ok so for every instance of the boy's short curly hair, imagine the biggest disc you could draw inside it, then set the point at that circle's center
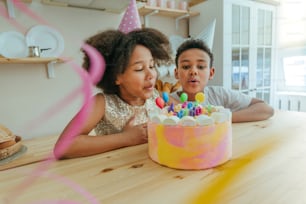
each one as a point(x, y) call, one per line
point(194, 43)
point(116, 47)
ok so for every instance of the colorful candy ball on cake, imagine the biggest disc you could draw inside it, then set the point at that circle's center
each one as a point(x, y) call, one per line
point(160, 102)
point(200, 97)
point(183, 97)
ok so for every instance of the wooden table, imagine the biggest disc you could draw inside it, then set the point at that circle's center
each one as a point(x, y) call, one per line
point(268, 166)
point(38, 149)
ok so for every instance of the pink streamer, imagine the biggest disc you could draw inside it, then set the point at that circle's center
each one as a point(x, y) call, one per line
point(22, 7)
point(72, 185)
point(4, 14)
point(57, 202)
point(97, 68)
point(96, 72)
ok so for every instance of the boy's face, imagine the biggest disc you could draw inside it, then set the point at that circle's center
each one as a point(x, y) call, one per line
point(193, 71)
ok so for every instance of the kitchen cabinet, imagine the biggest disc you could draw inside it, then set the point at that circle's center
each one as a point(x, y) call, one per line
point(48, 61)
point(244, 45)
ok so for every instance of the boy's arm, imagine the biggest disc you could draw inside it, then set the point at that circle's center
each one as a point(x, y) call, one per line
point(257, 110)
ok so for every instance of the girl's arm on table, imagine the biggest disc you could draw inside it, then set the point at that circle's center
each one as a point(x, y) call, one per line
point(85, 145)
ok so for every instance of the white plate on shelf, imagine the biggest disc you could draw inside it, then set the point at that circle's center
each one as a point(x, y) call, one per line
point(13, 45)
point(46, 37)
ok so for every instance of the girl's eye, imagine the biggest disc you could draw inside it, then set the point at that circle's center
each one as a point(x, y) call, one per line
point(139, 69)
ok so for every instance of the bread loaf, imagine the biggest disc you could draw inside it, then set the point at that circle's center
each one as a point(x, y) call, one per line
point(159, 85)
point(9, 143)
point(5, 134)
point(167, 87)
point(175, 87)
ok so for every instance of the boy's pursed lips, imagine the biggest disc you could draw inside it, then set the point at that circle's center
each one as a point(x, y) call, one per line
point(192, 80)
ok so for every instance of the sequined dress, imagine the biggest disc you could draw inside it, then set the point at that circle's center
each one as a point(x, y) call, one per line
point(118, 113)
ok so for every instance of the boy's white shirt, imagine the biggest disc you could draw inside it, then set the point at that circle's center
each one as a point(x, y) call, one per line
point(219, 96)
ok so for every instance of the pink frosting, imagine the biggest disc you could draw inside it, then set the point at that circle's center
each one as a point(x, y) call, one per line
point(198, 147)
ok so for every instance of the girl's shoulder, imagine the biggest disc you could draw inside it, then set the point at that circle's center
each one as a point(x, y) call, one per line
point(108, 99)
point(99, 100)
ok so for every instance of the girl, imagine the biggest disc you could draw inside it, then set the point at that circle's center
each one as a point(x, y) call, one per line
point(119, 113)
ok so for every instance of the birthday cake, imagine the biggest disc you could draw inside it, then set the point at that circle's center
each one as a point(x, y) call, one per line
point(189, 135)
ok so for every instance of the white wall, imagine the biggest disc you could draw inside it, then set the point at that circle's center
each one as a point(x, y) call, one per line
point(25, 90)
point(211, 10)
point(291, 21)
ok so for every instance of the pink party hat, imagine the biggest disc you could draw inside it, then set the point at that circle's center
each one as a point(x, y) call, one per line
point(130, 20)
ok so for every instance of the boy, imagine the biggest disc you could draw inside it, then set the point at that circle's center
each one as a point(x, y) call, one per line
point(194, 68)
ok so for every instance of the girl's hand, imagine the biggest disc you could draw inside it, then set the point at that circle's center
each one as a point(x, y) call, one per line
point(134, 134)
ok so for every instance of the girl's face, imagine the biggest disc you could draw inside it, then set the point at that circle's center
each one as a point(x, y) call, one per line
point(137, 83)
point(193, 71)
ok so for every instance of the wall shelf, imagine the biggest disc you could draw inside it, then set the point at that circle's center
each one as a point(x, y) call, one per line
point(29, 60)
point(145, 10)
point(195, 2)
point(190, 2)
point(49, 61)
point(178, 14)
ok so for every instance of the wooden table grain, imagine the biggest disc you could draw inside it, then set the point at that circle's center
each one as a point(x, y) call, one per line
point(268, 166)
point(38, 149)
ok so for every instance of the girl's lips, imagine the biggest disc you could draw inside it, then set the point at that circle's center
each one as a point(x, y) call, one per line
point(150, 87)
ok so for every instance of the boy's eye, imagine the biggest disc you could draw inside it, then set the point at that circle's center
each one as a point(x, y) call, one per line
point(202, 66)
point(198, 66)
point(185, 66)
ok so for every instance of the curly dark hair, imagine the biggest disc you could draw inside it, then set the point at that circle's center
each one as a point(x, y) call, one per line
point(117, 47)
point(194, 43)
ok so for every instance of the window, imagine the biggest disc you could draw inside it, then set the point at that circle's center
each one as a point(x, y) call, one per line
point(292, 73)
point(295, 71)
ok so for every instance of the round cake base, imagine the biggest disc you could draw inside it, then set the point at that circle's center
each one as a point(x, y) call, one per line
point(190, 148)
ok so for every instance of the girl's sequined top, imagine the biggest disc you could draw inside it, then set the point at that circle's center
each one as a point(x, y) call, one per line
point(118, 113)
